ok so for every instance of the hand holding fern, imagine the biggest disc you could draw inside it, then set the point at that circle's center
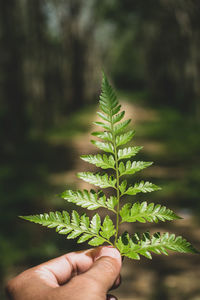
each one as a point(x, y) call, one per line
point(78, 275)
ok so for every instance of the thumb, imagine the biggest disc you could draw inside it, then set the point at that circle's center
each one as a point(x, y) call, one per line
point(105, 269)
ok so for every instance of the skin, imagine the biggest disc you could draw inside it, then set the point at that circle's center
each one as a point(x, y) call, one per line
point(85, 275)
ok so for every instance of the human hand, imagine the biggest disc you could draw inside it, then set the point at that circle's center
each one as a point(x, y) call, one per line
point(84, 275)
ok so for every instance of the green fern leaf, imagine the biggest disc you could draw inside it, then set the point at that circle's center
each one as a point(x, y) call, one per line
point(128, 152)
point(74, 234)
point(124, 138)
point(50, 220)
point(90, 200)
point(102, 161)
point(123, 245)
point(121, 126)
point(85, 237)
point(142, 212)
point(103, 181)
point(85, 223)
point(132, 167)
point(118, 117)
point(157, 243)
point(65, 217)
point(102, 116)
point(115, 110)
point(105, 126)
point(95, 224)
point(96, 241)
point(112, 203)
point(122, 187)
point(107, 229)
point(108, 100)
point(104, 135)
point(107, 147)
point(75, 220)
point(77, 226)
point(142, 187)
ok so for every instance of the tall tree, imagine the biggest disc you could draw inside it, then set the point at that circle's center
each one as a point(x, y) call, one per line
point(13, 95)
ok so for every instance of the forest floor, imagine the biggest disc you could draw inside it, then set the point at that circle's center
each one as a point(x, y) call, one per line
point(168, 278)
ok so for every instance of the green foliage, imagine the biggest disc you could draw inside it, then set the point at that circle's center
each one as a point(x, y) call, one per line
point(128, 152)
point(90, 200)
point(132, 167)
point(142, 212)
point(77, 226)
point(142, 187)
point(103, 181)
point(103, 161)
point(157, 243)
point(95, 231)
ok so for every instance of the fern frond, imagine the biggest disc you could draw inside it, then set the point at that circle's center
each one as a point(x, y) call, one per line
point(104, 135)
point(143, 212)
point(142, 187)
point(90, 200)
point(108, 100)
point(107, 147)
point(124, 138)
point(95, 223)
point(112, 203)
point(108, 228)
point(132, 167)
point(121, 126)
point(77, 226)
point(103, 116)
point(157, 243)
point(102, 161)
point(118, 117)
point(103, 181)
point(103, 125)
point(113, 136)
point(128, 152)
point(122, 187)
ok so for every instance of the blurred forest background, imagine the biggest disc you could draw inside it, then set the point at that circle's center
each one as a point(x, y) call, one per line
point(51, 56)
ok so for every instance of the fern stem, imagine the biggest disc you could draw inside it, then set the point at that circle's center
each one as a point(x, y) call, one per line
point(117, 183)
point(118, 206)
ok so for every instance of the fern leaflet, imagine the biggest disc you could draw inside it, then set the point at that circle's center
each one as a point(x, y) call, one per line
point(76, 226)
point(90, 200)
point(142, 212)
point(159, 244)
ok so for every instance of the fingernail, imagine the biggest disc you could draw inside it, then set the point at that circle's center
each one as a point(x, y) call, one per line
point(111, 297)
point(118, 281)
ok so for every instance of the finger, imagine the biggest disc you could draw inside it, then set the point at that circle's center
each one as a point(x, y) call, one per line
point(105, 269)
point(59, 270)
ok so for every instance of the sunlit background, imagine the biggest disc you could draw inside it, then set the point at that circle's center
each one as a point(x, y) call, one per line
point(52, 53)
